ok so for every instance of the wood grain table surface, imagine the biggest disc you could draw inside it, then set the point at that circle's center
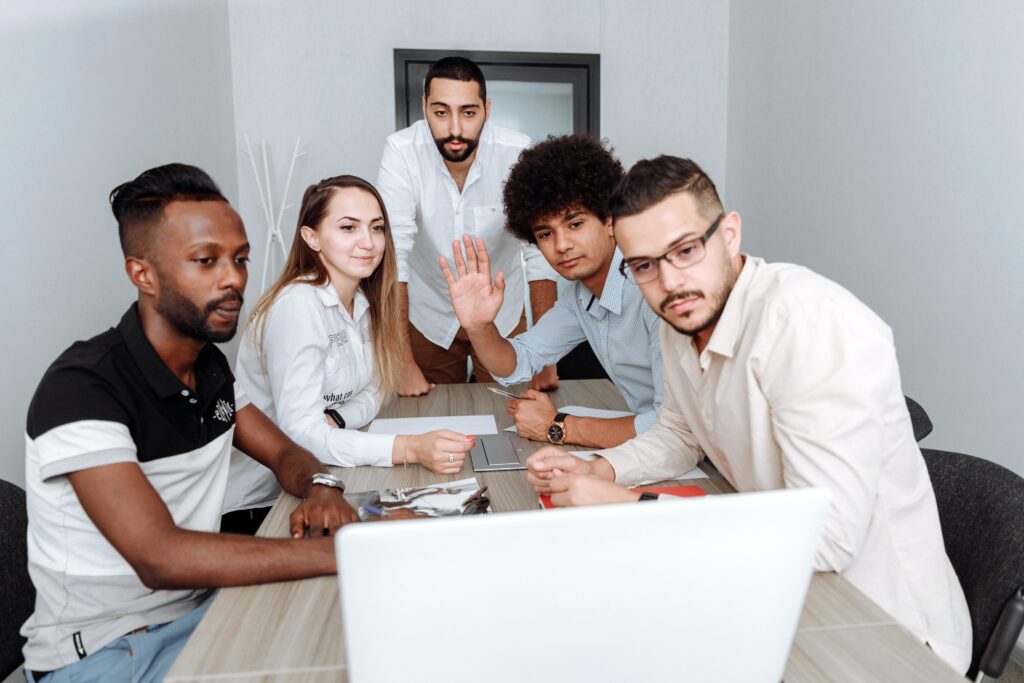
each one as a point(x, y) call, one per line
point(291, 632)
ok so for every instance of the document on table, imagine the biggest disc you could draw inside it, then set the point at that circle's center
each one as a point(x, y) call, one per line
point(475, 425)
point(583, 411)
point(695, 473)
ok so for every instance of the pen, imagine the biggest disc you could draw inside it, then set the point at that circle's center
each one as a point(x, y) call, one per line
point(469, 501)
point(507, 394)
point(374, 510)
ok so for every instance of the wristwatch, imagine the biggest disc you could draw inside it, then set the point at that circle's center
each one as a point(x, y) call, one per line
point(324, 479)
point(556, 432)
point(647, 495)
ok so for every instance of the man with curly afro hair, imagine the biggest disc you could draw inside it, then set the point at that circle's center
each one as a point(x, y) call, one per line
point(556, 197)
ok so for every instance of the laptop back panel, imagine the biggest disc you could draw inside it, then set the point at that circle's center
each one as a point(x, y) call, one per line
point(695, 589)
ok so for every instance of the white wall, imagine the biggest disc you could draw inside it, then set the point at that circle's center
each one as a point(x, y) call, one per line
point(882, 144)
point(92, 94)
point(326, 72)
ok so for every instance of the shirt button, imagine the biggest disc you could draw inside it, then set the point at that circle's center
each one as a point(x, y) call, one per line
point(184, 392)
point(192, 400)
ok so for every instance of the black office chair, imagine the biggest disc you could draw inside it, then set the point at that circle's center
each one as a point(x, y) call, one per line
point(15, 585)
point(919, 419)
point(581, 363)
point(981, 509)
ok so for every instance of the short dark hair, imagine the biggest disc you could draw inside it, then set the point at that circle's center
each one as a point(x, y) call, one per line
point(138, 204)
point(559, 174)
point(652, 180)
point(455, 69)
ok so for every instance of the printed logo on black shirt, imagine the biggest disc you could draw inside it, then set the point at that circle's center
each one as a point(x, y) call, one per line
point(223, 411)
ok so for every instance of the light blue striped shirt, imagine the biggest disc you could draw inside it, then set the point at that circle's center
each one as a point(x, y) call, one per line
point(621, 328)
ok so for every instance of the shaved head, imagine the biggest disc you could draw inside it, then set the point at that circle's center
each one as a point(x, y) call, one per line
point(138, 204)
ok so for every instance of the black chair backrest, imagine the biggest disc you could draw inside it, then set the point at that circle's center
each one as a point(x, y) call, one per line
point(15, 585)
point(919, 419)
point(981, 509)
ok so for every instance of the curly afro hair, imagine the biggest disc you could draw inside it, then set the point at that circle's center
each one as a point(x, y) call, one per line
point(561, 173)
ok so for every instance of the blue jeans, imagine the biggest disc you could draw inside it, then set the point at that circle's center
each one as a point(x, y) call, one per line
point(140, 657)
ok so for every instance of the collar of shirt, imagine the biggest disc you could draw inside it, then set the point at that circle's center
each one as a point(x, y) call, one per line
point(328, 296)
point(159, 377)
point(727, 330)
point(611, 295)
point(483, 154)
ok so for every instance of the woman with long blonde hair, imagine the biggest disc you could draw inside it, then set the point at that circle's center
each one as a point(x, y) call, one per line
point(322, 348)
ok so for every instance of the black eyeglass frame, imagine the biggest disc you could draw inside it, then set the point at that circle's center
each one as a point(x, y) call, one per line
point(625, 265)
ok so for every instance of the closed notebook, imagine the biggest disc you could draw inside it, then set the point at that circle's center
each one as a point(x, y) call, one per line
point(680, 491)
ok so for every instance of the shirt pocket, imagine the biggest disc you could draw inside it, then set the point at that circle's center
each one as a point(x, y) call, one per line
point(488, 222)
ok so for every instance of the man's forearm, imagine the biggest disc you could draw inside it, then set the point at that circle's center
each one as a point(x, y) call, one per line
point(598, 432)
point(602, 469)
point(543, 294)
point(195, 559)
point(297, 469)
point(403, 311)
point(497, 353)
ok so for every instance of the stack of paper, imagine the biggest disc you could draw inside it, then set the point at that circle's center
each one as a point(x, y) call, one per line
point(475, 425)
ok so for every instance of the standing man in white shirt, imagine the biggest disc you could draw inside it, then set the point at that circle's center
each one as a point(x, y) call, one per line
point(442, 178)
point(781, 378)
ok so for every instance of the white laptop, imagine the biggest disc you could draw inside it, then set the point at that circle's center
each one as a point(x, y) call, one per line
point(703, 589)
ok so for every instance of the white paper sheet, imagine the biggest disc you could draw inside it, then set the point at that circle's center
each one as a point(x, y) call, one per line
point(475, 425)
point(583, 455)
point(695, 473)
point(583, 411)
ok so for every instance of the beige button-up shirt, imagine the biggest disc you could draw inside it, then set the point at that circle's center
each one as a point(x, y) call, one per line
point(799, 386)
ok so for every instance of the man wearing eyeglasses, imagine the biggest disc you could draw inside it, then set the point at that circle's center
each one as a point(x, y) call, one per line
point(556, 198)
point(781, 378)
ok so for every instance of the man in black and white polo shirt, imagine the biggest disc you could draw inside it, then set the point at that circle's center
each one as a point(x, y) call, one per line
point(128, 443)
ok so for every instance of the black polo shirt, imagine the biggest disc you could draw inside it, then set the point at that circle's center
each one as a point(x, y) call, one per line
point(107, 400)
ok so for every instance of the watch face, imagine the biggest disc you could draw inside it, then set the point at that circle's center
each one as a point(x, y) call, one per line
point(556, 433)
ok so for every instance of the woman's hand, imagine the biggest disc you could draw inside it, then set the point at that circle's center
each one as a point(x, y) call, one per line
point(441, 452)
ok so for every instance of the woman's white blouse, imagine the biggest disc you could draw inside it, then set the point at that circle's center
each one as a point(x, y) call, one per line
point(315, 355)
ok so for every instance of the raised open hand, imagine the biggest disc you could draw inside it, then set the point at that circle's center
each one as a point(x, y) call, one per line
point(475, 298)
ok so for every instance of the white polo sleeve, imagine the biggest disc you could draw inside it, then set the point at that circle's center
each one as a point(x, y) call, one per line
point(81, 424)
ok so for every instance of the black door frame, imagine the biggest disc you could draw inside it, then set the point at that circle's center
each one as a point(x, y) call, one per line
point(582, 70)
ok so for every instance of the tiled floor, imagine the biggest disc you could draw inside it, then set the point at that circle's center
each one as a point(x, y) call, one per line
point(1013, 674)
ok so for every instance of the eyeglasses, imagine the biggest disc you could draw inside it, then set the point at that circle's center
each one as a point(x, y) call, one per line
point(689, 253)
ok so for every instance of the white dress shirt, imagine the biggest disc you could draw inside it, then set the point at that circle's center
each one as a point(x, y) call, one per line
point(427, 212)
point(799, 386)
point(315, 355)
point(621, 328)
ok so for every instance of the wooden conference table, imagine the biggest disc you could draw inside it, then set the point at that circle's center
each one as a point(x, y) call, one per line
point(292, 632)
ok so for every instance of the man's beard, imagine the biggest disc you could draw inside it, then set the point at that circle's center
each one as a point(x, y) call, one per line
point(459, 156)
point(718, 299)
point(188, 319)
